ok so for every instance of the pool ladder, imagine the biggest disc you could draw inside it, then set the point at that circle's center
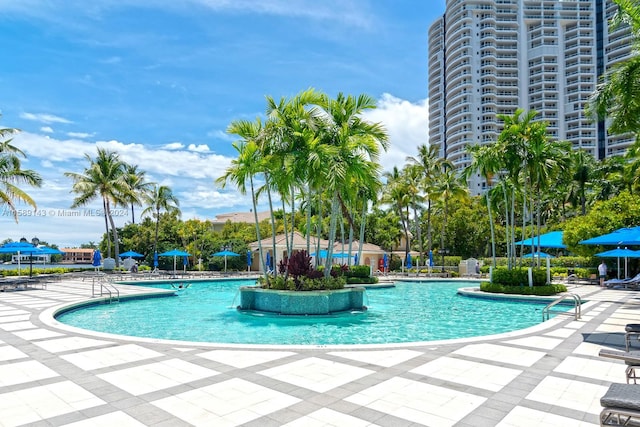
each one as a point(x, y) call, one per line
point(106, 287)
point(577, 302)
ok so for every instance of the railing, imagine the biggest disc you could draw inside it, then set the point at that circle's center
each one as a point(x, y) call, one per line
point(106, 287)
point(577, 301)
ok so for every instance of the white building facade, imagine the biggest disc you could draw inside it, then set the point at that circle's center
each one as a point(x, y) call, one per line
point(490, 57)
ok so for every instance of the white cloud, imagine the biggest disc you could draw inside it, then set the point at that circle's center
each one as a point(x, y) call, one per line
point(202, 148)
point(174, 146)
point(350, 12)
point(407, 124)
point(80, 134)
point(44, 118)
point(190, 171)
point(46, 129)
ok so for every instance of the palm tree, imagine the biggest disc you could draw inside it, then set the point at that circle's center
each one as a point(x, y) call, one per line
point(544, 162)
point(160, 199)
point(350, 148)
point(485, 161)
point(617, 96)
point(583, 166)
point(398, 195)
point(450, 187)
point(104, 178)
point(429, 165)
point(12, 175)
point(137, 187)
point(246, 166)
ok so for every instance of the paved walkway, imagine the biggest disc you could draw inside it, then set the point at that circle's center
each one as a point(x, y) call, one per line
point(545, 376)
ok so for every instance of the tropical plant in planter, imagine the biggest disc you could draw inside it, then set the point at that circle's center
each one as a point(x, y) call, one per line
point(298, 274)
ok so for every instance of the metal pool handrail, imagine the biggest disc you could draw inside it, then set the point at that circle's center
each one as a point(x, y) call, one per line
point(577, 301)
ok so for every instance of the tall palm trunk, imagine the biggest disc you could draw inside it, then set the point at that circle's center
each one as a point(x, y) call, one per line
point(493, 231)
point(116, 244)
point(106, 225)
point(507, 227)
point(332, 234)
point(255, 217)
point(419, 231)
point(155, 239)
point(362, 226)
point(308, 213)
point(273, 232)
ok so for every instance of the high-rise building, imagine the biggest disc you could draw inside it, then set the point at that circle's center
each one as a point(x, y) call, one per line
point(490, 57)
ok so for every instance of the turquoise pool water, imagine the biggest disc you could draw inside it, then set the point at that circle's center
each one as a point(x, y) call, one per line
point(409, 312)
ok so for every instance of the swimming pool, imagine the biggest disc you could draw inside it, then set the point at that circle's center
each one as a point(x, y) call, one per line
point(408, 312)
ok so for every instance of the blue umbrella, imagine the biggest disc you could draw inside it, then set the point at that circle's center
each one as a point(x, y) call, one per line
point(225, 254)
point(552, 239)
point(340, 255)
point(97, 258)
point(538, 255)
point(249, 260)
point(155, 260)
point(131, 254)
point(430, 258)
point(49, 251)
point(268, 262)
point(20, 248)
point(409, 264)
point(385, 262)
point(622, 236)
point(620, 253)
point(355, 259)
point(175, 253)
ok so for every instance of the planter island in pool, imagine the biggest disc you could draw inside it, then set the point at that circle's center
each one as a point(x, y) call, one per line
point(301, 303)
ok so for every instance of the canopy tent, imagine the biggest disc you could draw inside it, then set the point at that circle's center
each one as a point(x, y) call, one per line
point(551, 240)
point(628, 236)
point(225, 254)
point(175, 253)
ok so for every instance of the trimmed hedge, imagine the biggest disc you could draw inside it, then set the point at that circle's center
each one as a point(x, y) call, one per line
point(361, 280)
point(519, 277)
point(544, 290)
point(362, 271)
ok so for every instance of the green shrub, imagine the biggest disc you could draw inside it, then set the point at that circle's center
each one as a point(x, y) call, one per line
point(543, 290)
point(304, 283)
point(362, 271)
point(361, 280)
point(519, 276)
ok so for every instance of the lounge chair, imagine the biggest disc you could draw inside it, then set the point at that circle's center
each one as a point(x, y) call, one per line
point(631, 330)
point(630, 358)
point(621, 405)
point(632, 282)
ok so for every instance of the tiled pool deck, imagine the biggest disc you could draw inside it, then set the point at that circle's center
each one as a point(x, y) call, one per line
point(545, 376)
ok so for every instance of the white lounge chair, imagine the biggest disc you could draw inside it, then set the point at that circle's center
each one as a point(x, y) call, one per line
point(632, 281)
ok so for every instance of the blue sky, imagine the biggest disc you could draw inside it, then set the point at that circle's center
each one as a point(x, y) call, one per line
point(159, 81)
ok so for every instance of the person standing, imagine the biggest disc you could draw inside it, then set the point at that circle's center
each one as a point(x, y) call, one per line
point(602, 272)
